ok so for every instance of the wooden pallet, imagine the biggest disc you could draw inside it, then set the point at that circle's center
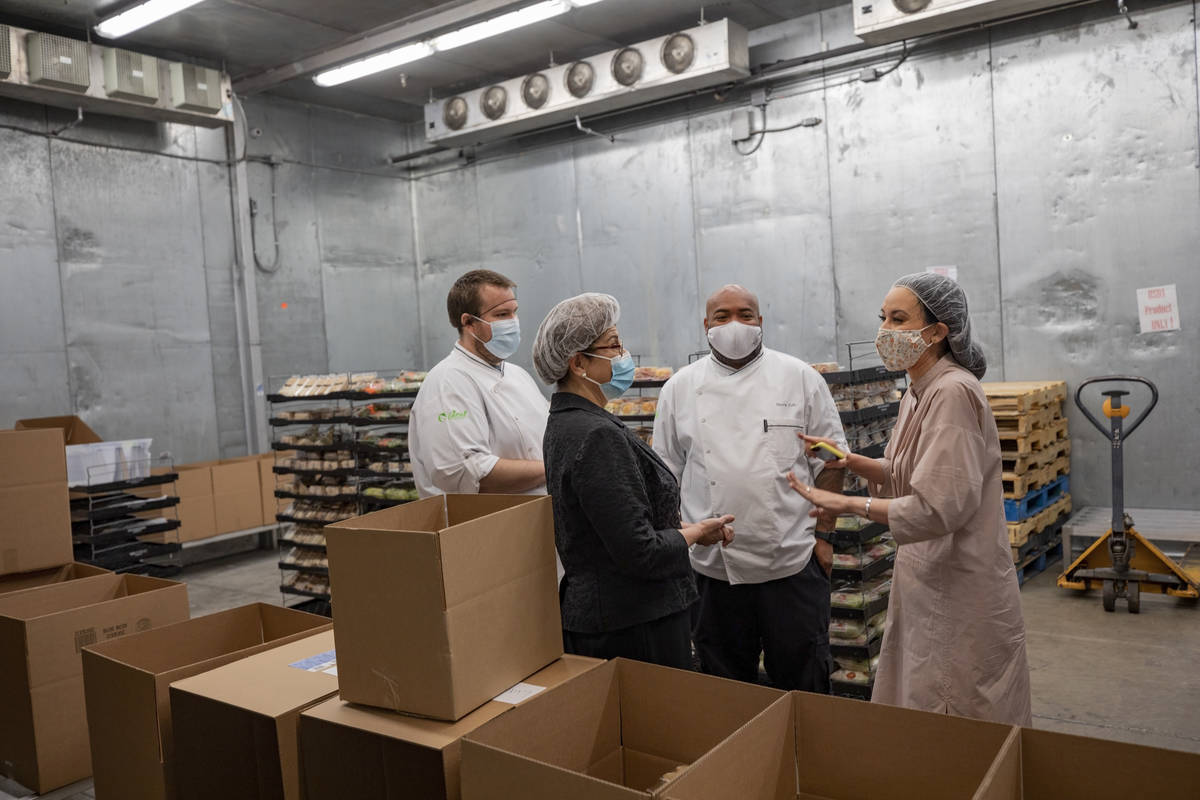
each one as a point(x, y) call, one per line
point(1026, 422)
point(1017, 485)
point(1014, 444)
point(1038, 458)
point(1023, 396)
point(1019, 532)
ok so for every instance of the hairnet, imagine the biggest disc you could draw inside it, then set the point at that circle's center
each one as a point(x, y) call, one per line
point(571, 327)
point(948, 302)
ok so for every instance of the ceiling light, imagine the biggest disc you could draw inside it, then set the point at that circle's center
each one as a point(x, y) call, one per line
point(140, 16)
point(538, 12)
point(469, 34)
point(372, 64)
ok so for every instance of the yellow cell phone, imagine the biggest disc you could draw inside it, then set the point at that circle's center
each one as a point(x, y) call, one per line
point(827, 452)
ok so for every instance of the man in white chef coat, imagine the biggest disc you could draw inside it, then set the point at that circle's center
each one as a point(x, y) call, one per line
point(477, 423)
point(728, 427)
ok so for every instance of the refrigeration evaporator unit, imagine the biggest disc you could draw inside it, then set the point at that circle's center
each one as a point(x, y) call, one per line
point(6, 51)
point(883, 21)
point(707, 55)
point(130, 76)
point(195, 88)
point(58, 61)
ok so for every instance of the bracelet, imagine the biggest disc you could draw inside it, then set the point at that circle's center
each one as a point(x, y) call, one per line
point(867, 508)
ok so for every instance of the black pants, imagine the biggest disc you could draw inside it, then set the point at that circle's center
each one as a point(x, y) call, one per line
point(665, 641)
point(787, 621)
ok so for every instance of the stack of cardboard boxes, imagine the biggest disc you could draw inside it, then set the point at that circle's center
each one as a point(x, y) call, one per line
point(217, 497)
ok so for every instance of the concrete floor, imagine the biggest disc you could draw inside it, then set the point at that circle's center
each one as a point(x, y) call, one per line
point(1119, 676)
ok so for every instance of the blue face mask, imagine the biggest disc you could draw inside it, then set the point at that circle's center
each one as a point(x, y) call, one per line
point(506, 337)
point(623, 370)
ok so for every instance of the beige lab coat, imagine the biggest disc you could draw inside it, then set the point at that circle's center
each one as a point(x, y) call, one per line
point(955, 638)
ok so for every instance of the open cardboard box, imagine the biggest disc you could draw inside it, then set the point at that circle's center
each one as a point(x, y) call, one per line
point(43, 722)
point(127, 682)
point(35, 511)
point(444, 603)
point(237, 726)
point(49, 577)
point(1058, 766)
point(612, 733)
point(372, 754)
point(817, 747)
point(75, 430)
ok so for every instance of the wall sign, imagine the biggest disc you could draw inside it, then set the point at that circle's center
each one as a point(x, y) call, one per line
point(1158, 309)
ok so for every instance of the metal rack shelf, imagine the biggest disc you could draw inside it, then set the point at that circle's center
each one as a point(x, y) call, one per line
point(304, 592)
point(346, 446)
point(872, 570)
point(115, 509)
point(871, 414)
point(124, 486)
point(292, 543)
point(289, 566)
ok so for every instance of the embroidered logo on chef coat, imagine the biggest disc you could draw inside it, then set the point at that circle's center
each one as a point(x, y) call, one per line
point(446, 416)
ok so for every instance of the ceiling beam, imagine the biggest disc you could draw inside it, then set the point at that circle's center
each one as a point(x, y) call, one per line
point(384, 37)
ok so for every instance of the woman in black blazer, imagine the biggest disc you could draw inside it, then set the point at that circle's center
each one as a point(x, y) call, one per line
point(628, 582)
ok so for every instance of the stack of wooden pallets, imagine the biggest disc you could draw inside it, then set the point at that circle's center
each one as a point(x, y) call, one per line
point(1036, 450)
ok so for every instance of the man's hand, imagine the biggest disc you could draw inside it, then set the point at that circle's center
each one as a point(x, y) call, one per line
point(824, 554)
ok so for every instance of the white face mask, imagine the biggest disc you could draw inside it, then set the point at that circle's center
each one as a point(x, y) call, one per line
point(899, 350)
point(735, 340)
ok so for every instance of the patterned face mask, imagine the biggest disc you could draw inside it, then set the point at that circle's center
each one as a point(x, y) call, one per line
point(901, 349)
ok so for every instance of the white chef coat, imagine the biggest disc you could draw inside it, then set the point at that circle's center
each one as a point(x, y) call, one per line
point(467, 416)
point(730, 437)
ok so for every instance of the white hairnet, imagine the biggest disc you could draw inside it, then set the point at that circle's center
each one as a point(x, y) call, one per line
point(571, 327)
point(946, 300)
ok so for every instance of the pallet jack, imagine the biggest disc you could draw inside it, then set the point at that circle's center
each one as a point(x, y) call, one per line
point(1122, 562)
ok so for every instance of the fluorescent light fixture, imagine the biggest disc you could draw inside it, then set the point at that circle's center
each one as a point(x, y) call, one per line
point(469, 34)
point(372, 64)
point(504, 23)
point(140, 16)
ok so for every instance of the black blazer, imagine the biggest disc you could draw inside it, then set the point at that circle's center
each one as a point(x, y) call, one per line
point(616, 521)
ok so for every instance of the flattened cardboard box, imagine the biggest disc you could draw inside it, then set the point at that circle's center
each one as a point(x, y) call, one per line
point(445, 602)
point(614, 733)
point(237, 726)
point(266, 480)
point(1058, 766)
point(127, 685)
point(237, 494)
point(372, 754)
point(49, 577)
point(43, 730)
point(839, 749)
point(35, 511)
point(194, 488)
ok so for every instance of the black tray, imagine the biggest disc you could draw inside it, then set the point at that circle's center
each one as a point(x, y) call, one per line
point(865, 613)
point(850, 540)
point(648, 384)
point(367, 448)
point(131, 504)
point(857, 652)
point(341, 472)
point(279, 422)
point(304, 593)
point(312, 522)
point(864, 375)
point(346, 446)
point(862, 415)
point(873, 451)
point(855, 691)
point(284, 565)
point(123, 556)
point(127, 533)
point(316, 498)
point(321, 608)
point(122, 486)
point(382, 502)
point(369, 422)
point(872, 570)
point(290, 543)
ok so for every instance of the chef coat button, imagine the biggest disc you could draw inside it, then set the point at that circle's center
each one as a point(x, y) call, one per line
point(712, 483)
point(703, 419)
point(707, 452)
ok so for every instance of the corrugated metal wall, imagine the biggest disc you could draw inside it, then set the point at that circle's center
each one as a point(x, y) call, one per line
point(1053, 162)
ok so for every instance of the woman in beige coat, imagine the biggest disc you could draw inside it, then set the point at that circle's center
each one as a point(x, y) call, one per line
point(955, 638)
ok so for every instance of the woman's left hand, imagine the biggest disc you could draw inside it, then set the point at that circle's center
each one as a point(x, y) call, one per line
point(821, 499)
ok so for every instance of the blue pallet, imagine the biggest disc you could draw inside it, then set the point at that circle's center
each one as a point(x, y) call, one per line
point(1038, 563)
point(1037, 501)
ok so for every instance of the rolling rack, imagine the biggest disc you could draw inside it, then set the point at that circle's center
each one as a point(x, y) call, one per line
point(341, 454)
point(635, 408)
point(868, 401)
point(124, 518)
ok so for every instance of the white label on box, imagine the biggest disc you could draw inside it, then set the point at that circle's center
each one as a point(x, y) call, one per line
point(1158, 309)
point(519, 693)
point(65, 60)
point(202, 86)
point(945, 272)
point(321, 662)
point(137, 73)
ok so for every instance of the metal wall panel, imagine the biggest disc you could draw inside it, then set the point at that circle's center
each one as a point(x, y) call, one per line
point(1096, 132)
point(134, 297)
point(32, 347)
point(913, 186)
point(763, 221)
point(638, 236)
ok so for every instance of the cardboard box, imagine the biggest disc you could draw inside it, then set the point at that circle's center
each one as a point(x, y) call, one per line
point(75, 430)
point(237, 494)
point(48, 577)
point(1058, 766)
point(43, 727)
point(840, 749)
point(35, 510)
point(197, 514)
point(372, 754)
point(237, 726)
point(266, 480)
point(127, 681)
point(613, 732)
point(445, 602)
